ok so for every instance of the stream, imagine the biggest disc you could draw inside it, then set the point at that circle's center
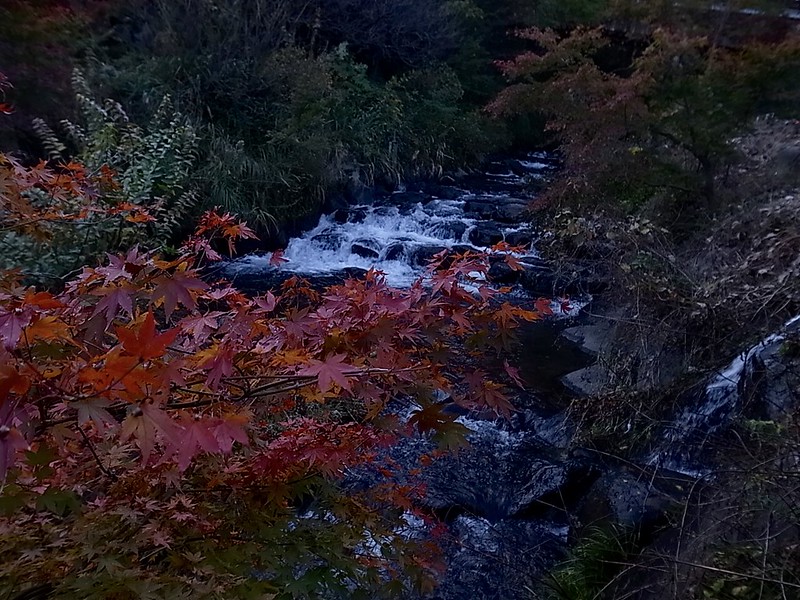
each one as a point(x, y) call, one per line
point(511, 500)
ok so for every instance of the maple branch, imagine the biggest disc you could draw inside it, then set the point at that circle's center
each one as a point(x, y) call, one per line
point(91, 447)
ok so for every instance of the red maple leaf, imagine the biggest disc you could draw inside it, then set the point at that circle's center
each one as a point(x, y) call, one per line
point(266, 303)
point(143, 341)
point(219, 365)
point(201, 326)
point(145, 423)
point(513, 372)
point(177, 288)
point(331, 370)
point(277, 258)
point(11, 325)
point(543, 307)
point(195, 436)
point(231, 428)
point(115, 298)
point(42, 300)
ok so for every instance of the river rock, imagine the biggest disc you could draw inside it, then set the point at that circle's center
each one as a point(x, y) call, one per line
point(772, 383)
point(553, 430)
point(501, 273)
point(503, 473)
point(494, 561)
point(498, 208)
point(445, 192)
point(350, 215)
point(629, 499)
point(589, 381)
point(365, 248)
point(485, 234)
point(422, 255)
point(519, 238)
point(453, 230)
point(511, 211)
point(539, 279)
point(394, 251)
point(787, 162)
point(592, 339)
point(264, 280)
point(406, 199)
point(480, 208)
point(329, 240)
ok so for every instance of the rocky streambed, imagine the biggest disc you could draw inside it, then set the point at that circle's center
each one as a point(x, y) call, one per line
point(525, 489)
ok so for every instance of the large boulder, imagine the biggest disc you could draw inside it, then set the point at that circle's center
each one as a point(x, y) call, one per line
point(631, 499)
point(511, 211)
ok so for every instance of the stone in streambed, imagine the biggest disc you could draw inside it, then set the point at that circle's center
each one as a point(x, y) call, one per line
point(365, 249)
point(485, 234)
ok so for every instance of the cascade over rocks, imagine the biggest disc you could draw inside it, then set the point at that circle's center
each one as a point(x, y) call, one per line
point(400, 232)
point(511, 498)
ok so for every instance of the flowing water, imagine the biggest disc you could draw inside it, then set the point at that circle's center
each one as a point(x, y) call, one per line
point(710, 409)
point(399, 233)
point(508, 497)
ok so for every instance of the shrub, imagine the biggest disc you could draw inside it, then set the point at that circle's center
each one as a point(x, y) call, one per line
point(151, 168)
point(167, 437)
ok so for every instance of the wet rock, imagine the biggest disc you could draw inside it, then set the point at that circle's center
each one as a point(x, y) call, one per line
point(349, 215)
point(629, 499)
point(263, 280)
point(396, 251)
point(501, 474)
point(449, 230)
point(365, 248)
point(539, 279)
point(497, 208)
point(511, 212)
point(422, 255)
point(329, 240)
point(405, 199)
point(589, 381)
point(445, 192)
point(485, 234)
point(555, 430)
point(480, 208)
point(501, 273)
point(519, 238)
point(543, 280)
point(787, 162)
point(493, 561)
point(593, 338)
point(772, 384)
point(457, 229)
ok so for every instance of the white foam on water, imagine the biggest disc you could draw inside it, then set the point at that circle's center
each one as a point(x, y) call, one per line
point(720, 398)
point(534, 165)
point(390, 239)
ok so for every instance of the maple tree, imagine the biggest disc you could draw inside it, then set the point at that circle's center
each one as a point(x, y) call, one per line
point(162, 435)
point(661, 120)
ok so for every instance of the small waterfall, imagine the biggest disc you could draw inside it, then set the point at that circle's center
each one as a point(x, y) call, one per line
point(399, 233)
point(711, 409)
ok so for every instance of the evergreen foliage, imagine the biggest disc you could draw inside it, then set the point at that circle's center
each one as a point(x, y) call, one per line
point(151, 166)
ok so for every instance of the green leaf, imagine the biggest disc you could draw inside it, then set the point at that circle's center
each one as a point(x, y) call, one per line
point(58, 502)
